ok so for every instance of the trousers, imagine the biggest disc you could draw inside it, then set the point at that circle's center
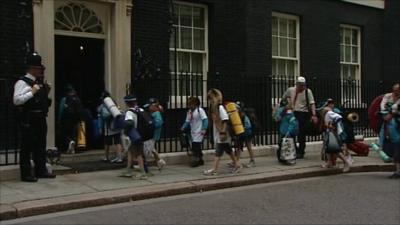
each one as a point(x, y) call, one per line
point(303, 119)
point(33, 146)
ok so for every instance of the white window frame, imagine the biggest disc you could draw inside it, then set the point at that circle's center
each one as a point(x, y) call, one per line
point(275, 99)
point(297, 58)
point(355, 101)
point(179, 101)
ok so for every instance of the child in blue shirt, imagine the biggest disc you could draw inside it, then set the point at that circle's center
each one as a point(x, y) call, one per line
point(288, 127)
point(154, 107)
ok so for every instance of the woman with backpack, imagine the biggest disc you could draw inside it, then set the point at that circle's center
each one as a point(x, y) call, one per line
point(197, 122)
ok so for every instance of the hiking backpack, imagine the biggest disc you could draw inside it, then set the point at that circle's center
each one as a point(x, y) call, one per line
point(255, 123)
point(145, 125)
point(73, 107)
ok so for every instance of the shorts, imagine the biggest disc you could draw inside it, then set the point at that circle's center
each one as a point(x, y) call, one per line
point(114, 139)
point(136, 149)
point(196, 146)
point(392, 150)
point(221, 148)
point(241, 141)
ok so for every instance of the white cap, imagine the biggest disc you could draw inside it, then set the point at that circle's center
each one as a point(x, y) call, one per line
point(301, 80)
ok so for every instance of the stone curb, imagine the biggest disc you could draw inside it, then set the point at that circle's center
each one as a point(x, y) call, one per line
point(58, 204)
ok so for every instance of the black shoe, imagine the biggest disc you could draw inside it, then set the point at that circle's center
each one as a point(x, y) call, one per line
point(395, 175)
point(201, 162)
point(47, 175)
point(29, 179)
point(194, 164)
point(300, 156)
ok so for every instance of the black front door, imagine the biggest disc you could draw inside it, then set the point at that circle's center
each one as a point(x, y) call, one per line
point(80, 63)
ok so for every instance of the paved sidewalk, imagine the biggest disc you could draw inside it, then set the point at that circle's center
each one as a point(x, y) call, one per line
point(74, 191)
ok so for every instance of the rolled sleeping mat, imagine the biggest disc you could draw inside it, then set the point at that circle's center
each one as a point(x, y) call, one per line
point(234, 117)
point(81, 136)
point(112, 107)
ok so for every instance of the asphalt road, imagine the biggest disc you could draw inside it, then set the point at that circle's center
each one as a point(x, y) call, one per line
point(369, 198)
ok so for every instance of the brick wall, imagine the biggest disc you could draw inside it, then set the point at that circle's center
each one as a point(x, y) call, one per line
point(16, 32)
point(16, 27)
point(391, 66)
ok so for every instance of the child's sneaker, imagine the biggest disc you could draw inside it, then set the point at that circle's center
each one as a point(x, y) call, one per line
point(346, 167)
point(150, 174)
point(71, 147)
point(210, 172)
point(237, 169)
point(160, 164)
point(350, 159)
point(140, 176)
point(395, 175)
point(127, 173)
point(105, 159)
point(291, 162)
point(231, 164)
point(117, 160)
point(251, 163)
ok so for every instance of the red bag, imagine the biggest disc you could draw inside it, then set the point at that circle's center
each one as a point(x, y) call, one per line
point(373, 113)
point(359, 148)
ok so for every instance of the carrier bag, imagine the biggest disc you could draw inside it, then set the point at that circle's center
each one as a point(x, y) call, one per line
point(332, 142)
point(288, 150)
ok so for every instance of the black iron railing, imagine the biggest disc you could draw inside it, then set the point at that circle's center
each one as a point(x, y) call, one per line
point(260, 93)
point(9, 132)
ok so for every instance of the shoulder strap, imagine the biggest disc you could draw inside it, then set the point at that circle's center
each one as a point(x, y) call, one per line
point(308, 101)
point(27, 80)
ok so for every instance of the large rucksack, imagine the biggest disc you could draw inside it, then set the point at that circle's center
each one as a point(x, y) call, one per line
point(255, 123)
point(73, 107)
point(375, 121)
point(145, 125)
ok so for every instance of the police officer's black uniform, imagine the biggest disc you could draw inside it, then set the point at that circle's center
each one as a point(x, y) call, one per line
point(32, 116)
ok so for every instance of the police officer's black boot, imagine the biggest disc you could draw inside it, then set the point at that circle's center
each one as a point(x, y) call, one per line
point(26, 175)
point(29, 179)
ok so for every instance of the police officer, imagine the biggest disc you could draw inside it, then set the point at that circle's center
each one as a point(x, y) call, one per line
point(32, 101)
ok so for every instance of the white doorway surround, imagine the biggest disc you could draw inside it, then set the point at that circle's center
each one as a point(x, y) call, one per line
point(115, 17)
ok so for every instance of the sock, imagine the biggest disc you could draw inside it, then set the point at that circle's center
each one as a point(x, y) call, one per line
point(146, 168)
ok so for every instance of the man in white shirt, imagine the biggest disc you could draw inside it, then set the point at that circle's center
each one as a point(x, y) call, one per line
point(31, 99)
point(301, 100)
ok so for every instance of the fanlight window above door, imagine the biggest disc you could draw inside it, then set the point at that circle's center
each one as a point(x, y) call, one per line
point(77, 18)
